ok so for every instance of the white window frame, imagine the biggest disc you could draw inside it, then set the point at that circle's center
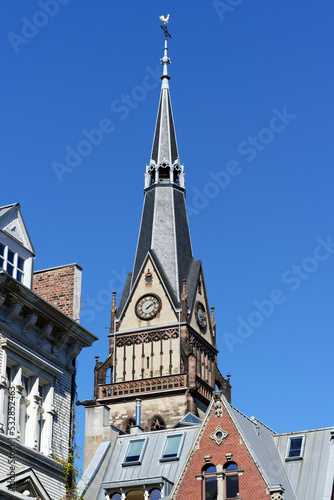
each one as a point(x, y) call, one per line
point(177, 457)
point(36, 409)
point(16, 269)
point(301, 454)
point(140, 459)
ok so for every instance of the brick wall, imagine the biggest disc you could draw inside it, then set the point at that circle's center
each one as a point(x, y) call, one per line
point(61, 287)
point(251, 484)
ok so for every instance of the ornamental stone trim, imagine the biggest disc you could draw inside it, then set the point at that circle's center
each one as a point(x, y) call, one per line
point(147, 337)
point(218, 435)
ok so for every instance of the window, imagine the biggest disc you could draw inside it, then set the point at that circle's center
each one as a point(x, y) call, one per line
point(29, 422)
point(230, 477)
point(295, 447)
point(232, 480)
point(12, 263)
point(172, 447)
point(116, 496)
point(24, 402)
point(210, 482)
point(155, 494)
point(134, 453)
point(2, 255)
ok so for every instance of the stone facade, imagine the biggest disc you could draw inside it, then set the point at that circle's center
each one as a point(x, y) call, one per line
point(39, 341)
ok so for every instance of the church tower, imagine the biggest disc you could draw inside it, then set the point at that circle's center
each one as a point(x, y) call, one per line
point(162, 347)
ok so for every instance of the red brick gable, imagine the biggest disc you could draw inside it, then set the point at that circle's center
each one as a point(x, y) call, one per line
point(251, 483)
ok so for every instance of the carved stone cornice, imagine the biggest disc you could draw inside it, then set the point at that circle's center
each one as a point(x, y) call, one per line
point(45, 332)
point(14, 310)
point(30, 321)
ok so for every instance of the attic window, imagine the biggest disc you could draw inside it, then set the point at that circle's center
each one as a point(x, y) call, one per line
point(295, 447)
point(172, 448)
point(199, 286)
point(135, 452)
point(12, 263)
point(148, 278)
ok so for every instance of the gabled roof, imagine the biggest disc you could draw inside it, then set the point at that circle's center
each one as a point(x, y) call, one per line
point(257, 439)
point(12, 223)
point(25, 480)
point(260, 441)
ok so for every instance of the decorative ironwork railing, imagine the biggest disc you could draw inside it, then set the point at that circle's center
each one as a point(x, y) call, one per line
point(136, 387)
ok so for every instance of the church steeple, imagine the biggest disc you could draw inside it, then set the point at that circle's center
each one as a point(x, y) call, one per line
point(164, 230)
point(164, 166)
point(162, 339)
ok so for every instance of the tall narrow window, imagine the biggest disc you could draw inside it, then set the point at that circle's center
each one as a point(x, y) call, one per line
point(210, 482)
point(232, 480)
point(2, 255)
point(295, 447)
point(10, 262)
point(20, 269)
point(108, 376)
point(25, 383)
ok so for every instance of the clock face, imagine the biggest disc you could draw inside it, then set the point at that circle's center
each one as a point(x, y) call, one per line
point(148, 306)
point(200, 315)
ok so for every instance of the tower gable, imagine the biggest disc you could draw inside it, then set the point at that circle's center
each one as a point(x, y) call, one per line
point(199, 316)
point(149, 283)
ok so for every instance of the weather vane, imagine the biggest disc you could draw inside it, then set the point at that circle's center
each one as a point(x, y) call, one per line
point(164, 26)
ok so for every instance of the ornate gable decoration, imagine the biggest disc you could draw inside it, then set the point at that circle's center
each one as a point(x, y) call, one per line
point(218, 435)
point(218, 405)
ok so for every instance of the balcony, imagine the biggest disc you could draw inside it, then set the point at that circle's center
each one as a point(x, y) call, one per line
point(121, 390)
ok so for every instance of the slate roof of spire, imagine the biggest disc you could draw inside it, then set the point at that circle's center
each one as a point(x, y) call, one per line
point(164, 230)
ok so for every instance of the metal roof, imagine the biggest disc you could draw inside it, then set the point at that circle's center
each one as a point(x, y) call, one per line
point(151, 471)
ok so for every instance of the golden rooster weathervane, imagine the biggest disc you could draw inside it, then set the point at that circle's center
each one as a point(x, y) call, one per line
point(164, 27)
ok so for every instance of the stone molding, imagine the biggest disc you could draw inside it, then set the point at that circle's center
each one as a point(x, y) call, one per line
point(218, 435)
point(147, 337)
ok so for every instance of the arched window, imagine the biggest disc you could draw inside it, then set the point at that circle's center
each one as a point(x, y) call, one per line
point(127, 424)
point(155, 423)
point(210, 482)
point(116, 496)
point(231, 480)
point(108, 376)
point(135, 495)
point(155, 494)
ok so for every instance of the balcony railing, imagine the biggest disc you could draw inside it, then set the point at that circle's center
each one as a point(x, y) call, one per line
point(204, 389)
point(137, 387)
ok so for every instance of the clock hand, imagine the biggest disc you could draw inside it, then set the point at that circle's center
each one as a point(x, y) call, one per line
point(147, 306)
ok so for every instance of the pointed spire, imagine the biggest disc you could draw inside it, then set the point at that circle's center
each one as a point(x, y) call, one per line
point(164, 164)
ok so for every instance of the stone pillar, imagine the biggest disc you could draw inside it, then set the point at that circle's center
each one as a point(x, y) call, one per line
point(220, 482)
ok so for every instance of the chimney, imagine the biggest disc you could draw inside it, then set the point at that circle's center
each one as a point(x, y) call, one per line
point(138, 411)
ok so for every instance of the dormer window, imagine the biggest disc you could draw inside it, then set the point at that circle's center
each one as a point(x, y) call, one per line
point(172, 448)
point(295, 447)
point(12, 263)
point(135, 452)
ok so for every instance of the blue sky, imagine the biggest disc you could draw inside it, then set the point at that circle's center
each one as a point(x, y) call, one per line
point(252, 95)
